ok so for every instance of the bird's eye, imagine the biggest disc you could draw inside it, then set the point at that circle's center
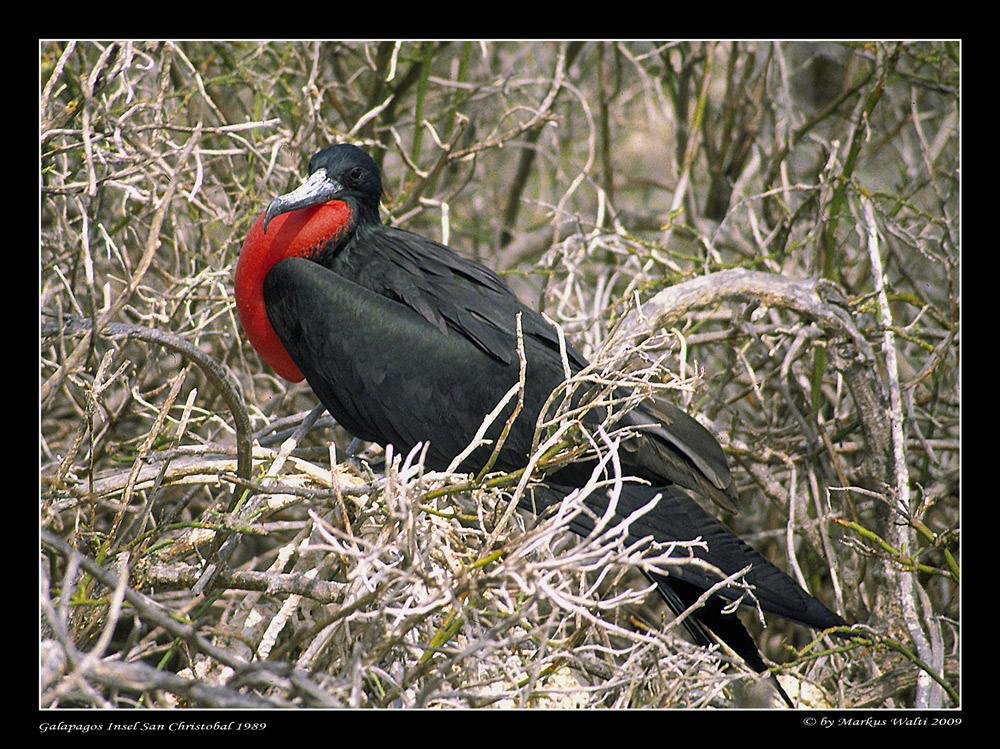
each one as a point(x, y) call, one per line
point(356, 173)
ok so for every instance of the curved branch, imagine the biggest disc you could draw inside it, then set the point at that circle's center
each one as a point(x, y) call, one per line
point(215, 374)
point(819, 300)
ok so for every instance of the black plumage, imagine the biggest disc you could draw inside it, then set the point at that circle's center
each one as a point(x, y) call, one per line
point(405, 341)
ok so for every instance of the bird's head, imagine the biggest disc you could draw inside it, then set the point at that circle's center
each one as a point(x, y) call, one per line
point(340, 172)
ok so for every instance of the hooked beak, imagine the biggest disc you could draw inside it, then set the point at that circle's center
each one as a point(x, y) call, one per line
point(317, 189)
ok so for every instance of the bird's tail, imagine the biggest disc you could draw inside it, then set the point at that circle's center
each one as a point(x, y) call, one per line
point(721, 562)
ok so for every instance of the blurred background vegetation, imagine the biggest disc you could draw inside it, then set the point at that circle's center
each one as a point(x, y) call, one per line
point(593, 175)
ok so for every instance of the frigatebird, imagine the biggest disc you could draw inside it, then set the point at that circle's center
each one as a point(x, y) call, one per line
point(405, 341)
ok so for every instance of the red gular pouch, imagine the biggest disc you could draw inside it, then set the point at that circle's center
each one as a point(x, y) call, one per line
point(300, 233)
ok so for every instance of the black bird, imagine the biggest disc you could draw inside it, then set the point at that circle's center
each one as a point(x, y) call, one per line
point(405, 342)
